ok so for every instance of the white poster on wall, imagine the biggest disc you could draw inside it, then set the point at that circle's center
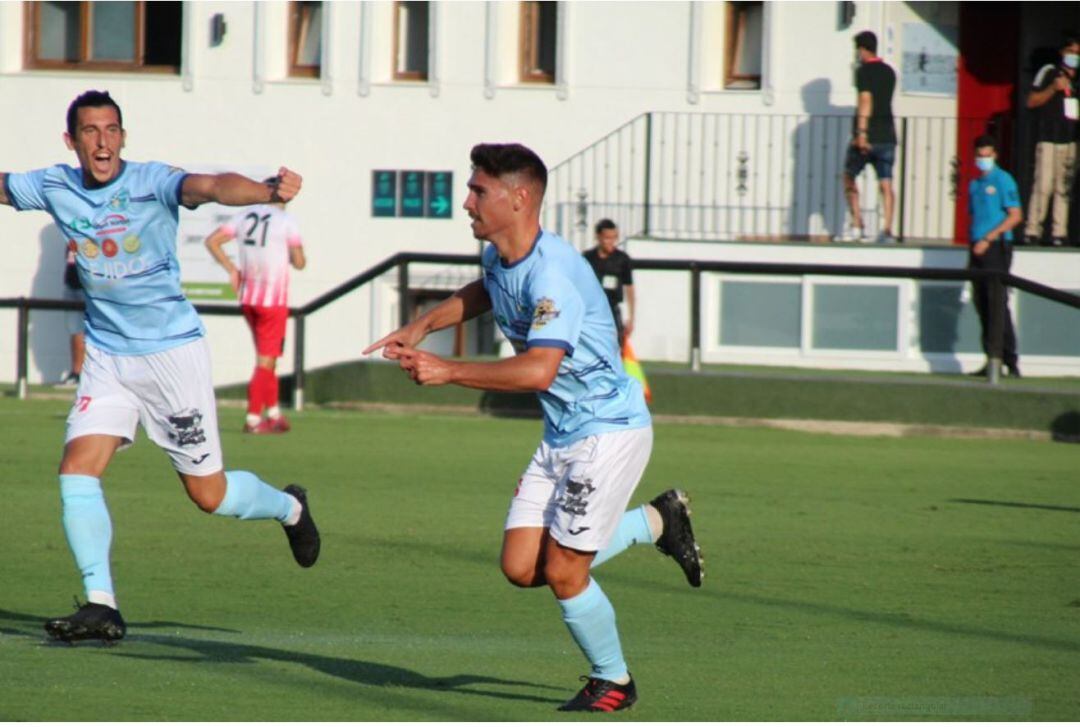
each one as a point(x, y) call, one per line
point(200, 276)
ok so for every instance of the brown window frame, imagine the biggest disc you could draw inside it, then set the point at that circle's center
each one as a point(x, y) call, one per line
point(295, 69)
point(732, 37)
point(529, 45)
point(406, 75)
point(31, 45)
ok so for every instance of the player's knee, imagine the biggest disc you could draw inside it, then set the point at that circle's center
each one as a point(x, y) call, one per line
point(519, 574)
point(204, 501)
point(206, 492)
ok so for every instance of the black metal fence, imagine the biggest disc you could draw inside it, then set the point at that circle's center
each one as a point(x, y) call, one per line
point(684, 175)
point(694, 268)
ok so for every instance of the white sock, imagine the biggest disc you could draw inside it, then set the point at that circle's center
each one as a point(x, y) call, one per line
point(294, 514)
point(656, 522)
point(102, 598)
point(273, 412)
point(253, 420)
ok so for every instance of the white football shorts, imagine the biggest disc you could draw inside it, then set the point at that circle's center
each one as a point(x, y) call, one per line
point(580, 491)
point(169, 393)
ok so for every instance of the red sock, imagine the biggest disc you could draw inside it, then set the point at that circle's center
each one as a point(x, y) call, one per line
point(255, 395)
point(270, 388)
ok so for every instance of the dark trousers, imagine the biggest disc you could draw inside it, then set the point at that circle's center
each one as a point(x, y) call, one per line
point(997, 257)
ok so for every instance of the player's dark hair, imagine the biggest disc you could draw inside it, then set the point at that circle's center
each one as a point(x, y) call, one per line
point(985, 140)
point(501, 159)
point(1067, 39)
point(605, 224)
point(867, 40)
point(93, 100)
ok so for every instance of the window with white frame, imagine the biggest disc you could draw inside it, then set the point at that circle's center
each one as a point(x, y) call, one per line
point(537, 50)
point(743, 45)
point(411, 23)
point(305, 38)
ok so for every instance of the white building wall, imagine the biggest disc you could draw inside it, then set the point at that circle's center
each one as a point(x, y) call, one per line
point(620, 59)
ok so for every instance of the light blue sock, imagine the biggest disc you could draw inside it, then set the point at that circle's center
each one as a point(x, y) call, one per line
point(633, 529)
point(89, 534)
point(249, 498)
point(591, 621)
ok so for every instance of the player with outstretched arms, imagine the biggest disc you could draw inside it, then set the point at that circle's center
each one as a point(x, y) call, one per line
point(568, 513)
point(147, 361)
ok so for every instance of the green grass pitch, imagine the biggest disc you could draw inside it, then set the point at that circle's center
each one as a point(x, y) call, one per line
point(846, 578)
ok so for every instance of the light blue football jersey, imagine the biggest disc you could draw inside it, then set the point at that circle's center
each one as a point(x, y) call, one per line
point(124, 239)
point(551, 298)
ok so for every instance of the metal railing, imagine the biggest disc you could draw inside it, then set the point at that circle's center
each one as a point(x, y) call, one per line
point(687, 175)
point(401, 261)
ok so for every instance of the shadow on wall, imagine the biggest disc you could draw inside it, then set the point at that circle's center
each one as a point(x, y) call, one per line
point(819, 143)
point(49, 346)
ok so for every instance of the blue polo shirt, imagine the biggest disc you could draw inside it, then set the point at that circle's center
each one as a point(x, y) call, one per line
point(991, 196)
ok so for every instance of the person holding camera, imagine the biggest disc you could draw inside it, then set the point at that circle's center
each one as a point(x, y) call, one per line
point(1053, 99)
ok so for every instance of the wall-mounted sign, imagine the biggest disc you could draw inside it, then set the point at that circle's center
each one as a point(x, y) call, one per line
point(410, 193)
point(384, 193)
point(439, 197)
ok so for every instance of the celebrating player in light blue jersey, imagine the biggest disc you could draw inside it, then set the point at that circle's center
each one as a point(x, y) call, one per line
point(567, 514)
point(146, 359)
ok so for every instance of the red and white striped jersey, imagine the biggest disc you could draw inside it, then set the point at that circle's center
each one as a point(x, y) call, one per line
point(265, 234)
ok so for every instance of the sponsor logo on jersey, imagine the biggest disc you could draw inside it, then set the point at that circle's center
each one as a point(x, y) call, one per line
point(116, 269)
point(90, 249)
point(132, 243)
point(109, 247)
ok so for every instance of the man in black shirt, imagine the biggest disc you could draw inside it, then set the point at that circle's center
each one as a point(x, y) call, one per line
point(873, 138)
point(615, 271)
point(1053, 99)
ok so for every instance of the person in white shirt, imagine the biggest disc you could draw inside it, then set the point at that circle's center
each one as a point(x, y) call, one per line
point(269, 243)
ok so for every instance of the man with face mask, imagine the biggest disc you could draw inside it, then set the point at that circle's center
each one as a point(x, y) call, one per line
point(995, 210)
point(1053, 99)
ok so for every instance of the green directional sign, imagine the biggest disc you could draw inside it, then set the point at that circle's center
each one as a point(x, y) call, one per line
point(412, 194)
point(384, 193)
point(439, 198)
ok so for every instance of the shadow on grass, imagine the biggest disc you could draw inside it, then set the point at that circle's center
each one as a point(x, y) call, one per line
point(1004, 503)
point(367, 673)
point(891, 620)
point(21, 620)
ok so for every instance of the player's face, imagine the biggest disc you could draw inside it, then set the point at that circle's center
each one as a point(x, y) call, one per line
point(489, 204)
point(608, 240)
point(97, 142)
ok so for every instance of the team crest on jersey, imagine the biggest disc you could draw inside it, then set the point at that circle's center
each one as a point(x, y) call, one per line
point(990, 189)
point(187, 429)
point(120, 201)
point(544, 313)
